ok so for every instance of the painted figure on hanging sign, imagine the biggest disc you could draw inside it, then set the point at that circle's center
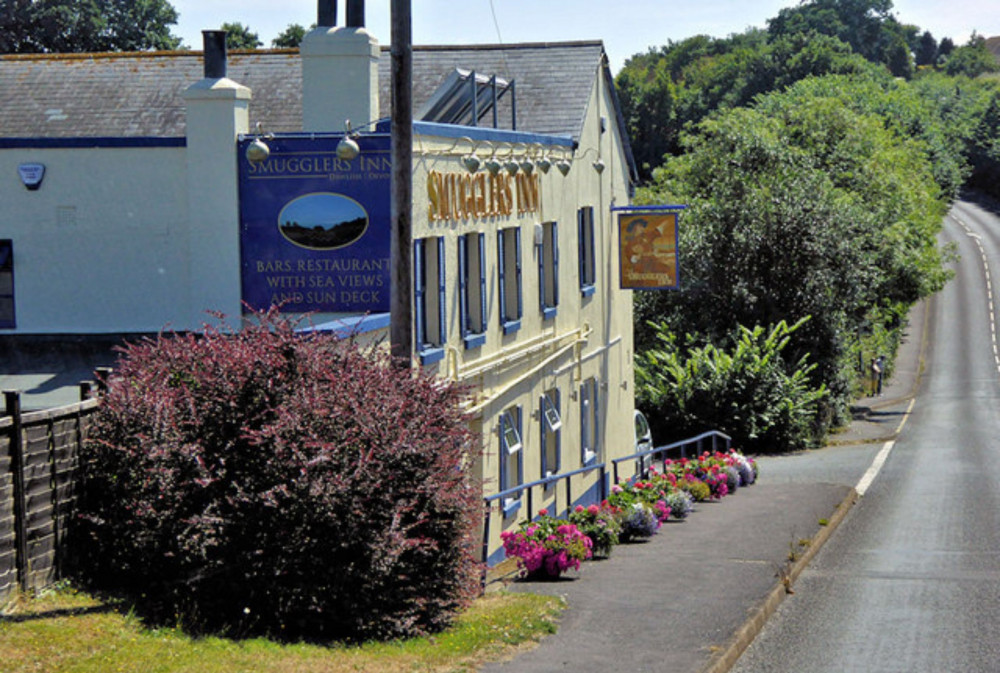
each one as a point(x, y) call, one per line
point(648, 249)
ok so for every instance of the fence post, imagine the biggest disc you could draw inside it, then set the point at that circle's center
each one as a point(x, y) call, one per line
point(103, 375)
point(12, 401)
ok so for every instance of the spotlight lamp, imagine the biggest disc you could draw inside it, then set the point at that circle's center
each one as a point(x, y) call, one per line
point(599, 166)
point(348, 148)
point(493, 166)
point(544, 163)
point(471, 163)
point(563, 166)
point(258, 151)
point(527, 166)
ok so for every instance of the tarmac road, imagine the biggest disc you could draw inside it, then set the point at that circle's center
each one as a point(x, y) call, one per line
point(911, 580)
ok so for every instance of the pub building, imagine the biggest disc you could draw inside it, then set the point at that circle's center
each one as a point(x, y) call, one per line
point(143, 190)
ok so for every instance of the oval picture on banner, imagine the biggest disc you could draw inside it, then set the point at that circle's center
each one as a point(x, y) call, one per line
point(323, 221)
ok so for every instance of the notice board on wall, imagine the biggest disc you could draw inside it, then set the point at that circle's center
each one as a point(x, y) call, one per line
point(314, 228)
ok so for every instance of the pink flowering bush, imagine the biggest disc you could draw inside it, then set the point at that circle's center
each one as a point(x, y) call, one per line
point(601, 523)
point(547, 546)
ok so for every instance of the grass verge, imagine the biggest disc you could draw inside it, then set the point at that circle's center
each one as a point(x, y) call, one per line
point(65, 631)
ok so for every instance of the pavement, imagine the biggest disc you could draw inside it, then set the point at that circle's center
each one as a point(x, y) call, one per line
point(694, 596)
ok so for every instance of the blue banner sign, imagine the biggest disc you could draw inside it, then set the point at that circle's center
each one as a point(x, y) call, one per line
point(314, 228)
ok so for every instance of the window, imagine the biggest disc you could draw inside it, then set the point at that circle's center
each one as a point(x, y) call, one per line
point(588, 262)
point(472, 288)
point(7, 283)
point(429, 298)
point(551, 432)
point(511, 457)
point(509, 247)
point(589, 430)
point(548, 270)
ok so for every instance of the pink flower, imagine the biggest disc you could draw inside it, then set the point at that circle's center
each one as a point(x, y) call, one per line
point(593, 509)
point(579, 508)
point(543, 512)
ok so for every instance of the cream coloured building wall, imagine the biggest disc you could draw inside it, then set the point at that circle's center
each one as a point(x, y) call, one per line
point(587, 343)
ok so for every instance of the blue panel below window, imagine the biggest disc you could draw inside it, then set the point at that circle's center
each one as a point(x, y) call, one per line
point(511, 507)
point(511, 326)
point(549, 312)
point(588, 290)
point(431, 355)
point(474, 340)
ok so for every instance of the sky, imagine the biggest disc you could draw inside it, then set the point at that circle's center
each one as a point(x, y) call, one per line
point(627, 27)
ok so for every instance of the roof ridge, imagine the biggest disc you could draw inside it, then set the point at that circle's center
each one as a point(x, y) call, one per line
point(493, 47)
point(108, 55)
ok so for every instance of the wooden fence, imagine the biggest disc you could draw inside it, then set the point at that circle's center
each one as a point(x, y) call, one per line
point(39, 454)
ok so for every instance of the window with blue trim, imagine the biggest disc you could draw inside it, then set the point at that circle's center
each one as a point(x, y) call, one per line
point(511, 457)
point(7, 284)
point(509, 266)
point(548, 270)
point(590, 436)
point(588, 260)
point(551, 433)
point(429, 298)
point(472, 288)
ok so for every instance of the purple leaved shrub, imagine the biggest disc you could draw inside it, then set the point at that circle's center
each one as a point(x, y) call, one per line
point(269, 482)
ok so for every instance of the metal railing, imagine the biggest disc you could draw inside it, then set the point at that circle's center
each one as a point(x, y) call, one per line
point(662, 453)
point(529, 489)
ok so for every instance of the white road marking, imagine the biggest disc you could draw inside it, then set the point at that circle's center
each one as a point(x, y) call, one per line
point(882, 456)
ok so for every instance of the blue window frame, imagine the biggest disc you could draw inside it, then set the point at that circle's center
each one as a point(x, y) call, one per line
point(511, 457)
point(551, 433)
point(590, 435)
point(7, 283)
point(588, 260)
point(472, 288)
point(429, 298)
point(548, 270)
point(509, 266)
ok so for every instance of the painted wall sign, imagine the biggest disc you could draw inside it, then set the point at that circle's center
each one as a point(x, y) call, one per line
point(31, 175)
point(314, 229)
point(648, 249)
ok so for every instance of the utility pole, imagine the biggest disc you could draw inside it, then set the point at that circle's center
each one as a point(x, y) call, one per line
point(401, 242)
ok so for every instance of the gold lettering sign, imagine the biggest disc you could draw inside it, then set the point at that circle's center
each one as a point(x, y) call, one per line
point(457, 196)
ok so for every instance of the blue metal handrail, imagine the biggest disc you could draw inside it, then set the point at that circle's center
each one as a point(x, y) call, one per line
point(662, 451)
point(530, 486)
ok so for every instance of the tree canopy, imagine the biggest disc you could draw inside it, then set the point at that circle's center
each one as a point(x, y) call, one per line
point(239, 36)
point(38, 26)
point(290, 38)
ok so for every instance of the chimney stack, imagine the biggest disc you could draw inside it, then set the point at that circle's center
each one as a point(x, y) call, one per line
point(327, 14)
point(339, 70)
point(355, 13)
point(215, 53)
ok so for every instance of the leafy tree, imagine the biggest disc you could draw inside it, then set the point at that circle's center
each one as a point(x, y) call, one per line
point(28, 26)
point(927, 50)
point(946, 47)
point(748, 391)
point(239, 36)
point(866, 25)
point(972, 60)
point(290, 38)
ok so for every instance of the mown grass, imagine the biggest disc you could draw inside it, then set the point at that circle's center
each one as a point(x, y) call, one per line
point(66, 631)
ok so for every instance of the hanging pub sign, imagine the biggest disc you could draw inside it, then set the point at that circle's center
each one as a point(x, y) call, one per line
point(314, 228)
point(647, 245)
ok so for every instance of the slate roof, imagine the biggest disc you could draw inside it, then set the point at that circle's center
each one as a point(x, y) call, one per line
point(140, 94)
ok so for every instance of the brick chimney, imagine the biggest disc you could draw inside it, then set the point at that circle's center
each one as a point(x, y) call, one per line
point(339, 70)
